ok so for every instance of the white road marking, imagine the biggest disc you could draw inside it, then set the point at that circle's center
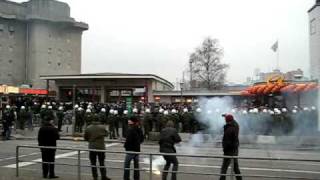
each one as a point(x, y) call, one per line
point(217, 167)
point(60, 156)
point(9, 158)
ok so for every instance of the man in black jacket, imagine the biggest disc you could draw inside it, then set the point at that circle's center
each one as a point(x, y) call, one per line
point(133, 141)
point(168, 137)
point(230, 143)
point(48, 136)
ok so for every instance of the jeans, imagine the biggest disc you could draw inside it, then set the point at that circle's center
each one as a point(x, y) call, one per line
point(128, 159)
point(93, 160)
point(225, 165)
point(170, 160)
point(48, 155)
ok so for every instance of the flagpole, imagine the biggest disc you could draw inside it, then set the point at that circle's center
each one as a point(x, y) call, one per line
point(278, 51)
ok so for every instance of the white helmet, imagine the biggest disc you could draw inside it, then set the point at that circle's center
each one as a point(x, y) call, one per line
point(43, 106)
point(173, 111)
point(284, 110)
point(60, 108)
point(233, 110)
point(115, 112)
point(251, 111)
point(8, 106)
point(125, 112)
point(244, 112)
point(255, 110)
point(271, 112)
point(209, 112)
point(313, 108)
point(198, 110)
point(103, 110)
point(135, 110)
point(265, 111)
point(277, 111)
point(88, 111)
point(161, 110)
point(53, 103)
point(48, 103)
point(49, 107)
point(294, 111)
point(76, 106)
point(148, 111)
point(185, 110)
point(22, 107)
point(166, 112)
point(111, 111)
point(306, 109)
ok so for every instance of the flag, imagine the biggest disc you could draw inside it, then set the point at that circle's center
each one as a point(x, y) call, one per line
point(274, 47)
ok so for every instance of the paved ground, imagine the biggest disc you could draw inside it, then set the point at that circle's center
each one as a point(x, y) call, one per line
point(204, 165)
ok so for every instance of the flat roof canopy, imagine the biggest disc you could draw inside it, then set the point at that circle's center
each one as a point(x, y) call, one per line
point(107, 76)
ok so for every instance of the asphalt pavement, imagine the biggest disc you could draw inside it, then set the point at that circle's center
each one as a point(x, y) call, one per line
point(30, 168)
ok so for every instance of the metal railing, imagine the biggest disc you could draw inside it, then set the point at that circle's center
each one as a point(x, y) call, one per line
point(151, 155)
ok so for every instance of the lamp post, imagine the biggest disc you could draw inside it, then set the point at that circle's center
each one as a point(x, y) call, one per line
point(181, 89)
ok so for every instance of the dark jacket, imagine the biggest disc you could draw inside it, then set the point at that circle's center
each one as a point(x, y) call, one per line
point(95, 134)
point(230, 141)
point(134, 139)
point(48, 135)
point(168, 137)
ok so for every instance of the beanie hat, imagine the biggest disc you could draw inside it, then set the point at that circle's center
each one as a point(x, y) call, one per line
point(134, 119)
point(229, 118)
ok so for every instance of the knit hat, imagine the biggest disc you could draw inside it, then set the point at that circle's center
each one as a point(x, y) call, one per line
point(228, 117)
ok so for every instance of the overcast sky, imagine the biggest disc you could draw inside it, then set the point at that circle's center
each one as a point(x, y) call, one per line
point(149, 36)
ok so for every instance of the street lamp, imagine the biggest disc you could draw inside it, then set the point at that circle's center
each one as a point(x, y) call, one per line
point(181, 89)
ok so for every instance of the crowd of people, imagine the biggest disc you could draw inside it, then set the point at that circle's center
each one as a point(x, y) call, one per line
point(97, 121)
point(186, 118)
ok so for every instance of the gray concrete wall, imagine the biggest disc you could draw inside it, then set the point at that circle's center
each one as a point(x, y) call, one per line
point(48, 10)
point(54, 49)
point(314, 16)
point(12, 52)
point(45, 40)
point(12, 9)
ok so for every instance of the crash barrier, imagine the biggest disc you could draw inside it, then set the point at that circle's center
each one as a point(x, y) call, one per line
point(152, 171)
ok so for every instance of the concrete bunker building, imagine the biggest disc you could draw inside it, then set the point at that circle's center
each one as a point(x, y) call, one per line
point(38, 37)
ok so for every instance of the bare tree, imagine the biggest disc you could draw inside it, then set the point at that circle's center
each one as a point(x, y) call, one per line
point(205, 65)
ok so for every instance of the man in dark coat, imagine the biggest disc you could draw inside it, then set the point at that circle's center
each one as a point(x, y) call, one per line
point(48, 136)
point(168, 137)
point(95, 134)
point(133, 141)
point(230, 143)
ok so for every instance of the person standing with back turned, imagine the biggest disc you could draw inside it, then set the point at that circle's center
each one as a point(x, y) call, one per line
point(95, 134)
point(168, 137)
point(230, 143)
point(48, 136)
